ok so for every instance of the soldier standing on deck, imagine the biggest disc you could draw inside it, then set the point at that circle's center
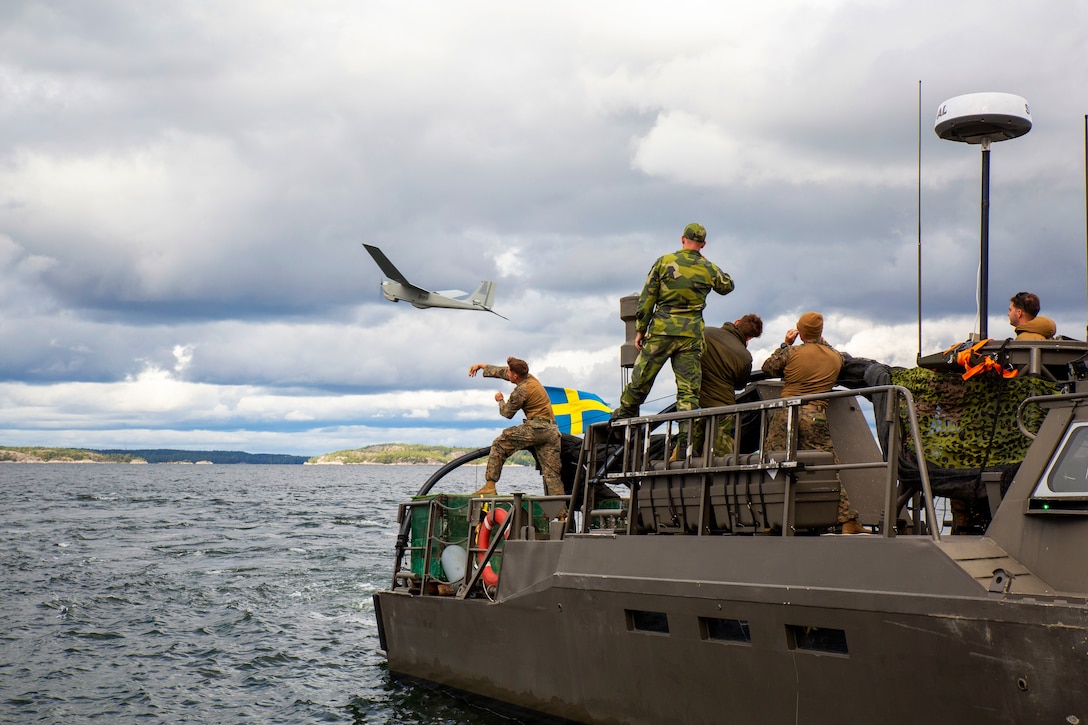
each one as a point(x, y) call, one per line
point(538, 431)
point(669, 323)
point(727, 367)
point(811, 368)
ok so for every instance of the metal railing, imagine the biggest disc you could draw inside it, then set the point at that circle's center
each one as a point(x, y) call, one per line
point(626, 452)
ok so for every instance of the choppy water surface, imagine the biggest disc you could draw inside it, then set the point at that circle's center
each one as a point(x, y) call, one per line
point(225, 594)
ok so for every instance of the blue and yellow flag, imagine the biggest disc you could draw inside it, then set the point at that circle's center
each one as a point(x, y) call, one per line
point(575, 409)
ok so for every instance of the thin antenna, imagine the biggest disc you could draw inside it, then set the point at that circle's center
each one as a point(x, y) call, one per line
point(920, 220)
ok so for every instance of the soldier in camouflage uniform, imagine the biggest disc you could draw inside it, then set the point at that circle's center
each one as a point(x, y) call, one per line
point(538, 431)
point(669, 323)
point(807, 370)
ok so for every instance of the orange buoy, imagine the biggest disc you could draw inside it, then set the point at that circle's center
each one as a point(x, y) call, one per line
point(483, 541)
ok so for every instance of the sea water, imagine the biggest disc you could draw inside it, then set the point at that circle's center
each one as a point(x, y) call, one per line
point(208, 593)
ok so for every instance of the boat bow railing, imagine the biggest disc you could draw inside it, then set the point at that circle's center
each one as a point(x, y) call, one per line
point(629, 453)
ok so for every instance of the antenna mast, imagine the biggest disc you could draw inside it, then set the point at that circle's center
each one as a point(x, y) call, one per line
point(919, 355)
point(983, 118)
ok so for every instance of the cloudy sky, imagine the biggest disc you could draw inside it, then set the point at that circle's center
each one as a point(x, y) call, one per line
point(185, 188)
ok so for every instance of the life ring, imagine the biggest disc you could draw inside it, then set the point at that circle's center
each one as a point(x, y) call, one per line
point(483, 541)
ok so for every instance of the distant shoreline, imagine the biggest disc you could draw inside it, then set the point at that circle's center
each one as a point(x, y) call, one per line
point(48, 454)
point(384, 454)
point(63, 462)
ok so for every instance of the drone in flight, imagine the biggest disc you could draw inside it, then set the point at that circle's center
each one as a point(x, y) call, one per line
point(398, 288)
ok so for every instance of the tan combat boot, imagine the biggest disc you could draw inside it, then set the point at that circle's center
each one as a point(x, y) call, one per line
point(488, 489)
point(853, 527)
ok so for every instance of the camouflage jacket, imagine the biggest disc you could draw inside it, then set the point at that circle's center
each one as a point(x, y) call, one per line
point(528, 395)
point(811, 368)
point(674, 295)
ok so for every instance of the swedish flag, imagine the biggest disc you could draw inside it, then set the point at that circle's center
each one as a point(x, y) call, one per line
point(575, 409)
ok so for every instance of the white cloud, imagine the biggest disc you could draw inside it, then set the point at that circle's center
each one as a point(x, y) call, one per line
point(184, 356)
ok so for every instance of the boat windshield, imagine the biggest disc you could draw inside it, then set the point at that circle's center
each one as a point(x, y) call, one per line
point(1067, 474)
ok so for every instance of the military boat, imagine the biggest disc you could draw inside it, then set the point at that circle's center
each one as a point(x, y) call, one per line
point(713, 588)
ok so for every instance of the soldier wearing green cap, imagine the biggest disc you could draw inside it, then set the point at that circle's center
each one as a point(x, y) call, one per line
point(669, 323)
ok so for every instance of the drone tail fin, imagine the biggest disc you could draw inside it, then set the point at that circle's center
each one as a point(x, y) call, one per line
point(484, 297)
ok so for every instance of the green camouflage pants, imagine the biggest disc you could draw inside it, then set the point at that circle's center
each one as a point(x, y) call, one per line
point(685, 354)
point(540, 434)
point(723, 440)
point(813, 433)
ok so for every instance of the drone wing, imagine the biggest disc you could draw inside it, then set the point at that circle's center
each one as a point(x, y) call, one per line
point(388, 269)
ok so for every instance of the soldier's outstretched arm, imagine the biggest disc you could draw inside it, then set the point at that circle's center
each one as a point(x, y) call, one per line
point(723, 283)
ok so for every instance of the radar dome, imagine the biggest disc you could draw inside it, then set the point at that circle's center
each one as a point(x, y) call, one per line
point(976, 117)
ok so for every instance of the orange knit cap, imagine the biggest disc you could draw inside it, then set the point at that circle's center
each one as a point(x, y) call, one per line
point(811, 325)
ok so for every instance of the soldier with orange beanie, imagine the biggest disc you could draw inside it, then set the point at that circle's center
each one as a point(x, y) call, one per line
point(811, 368)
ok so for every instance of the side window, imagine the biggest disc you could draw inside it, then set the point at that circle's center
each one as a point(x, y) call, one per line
point(1067, 474)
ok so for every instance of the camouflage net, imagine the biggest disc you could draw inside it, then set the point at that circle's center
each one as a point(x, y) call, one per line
point(971, 424)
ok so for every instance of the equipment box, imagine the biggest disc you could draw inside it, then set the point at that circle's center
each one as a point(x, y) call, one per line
point(740, 501)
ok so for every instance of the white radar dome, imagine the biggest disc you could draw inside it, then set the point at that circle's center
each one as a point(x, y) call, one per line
point(978, 116)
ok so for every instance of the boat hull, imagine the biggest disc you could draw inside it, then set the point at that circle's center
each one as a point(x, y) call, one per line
point(616, 629)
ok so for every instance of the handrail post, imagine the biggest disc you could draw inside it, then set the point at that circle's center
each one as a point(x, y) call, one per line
point(404, 517)
point(923, 469)
point(891, 453)
point(519, 515)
